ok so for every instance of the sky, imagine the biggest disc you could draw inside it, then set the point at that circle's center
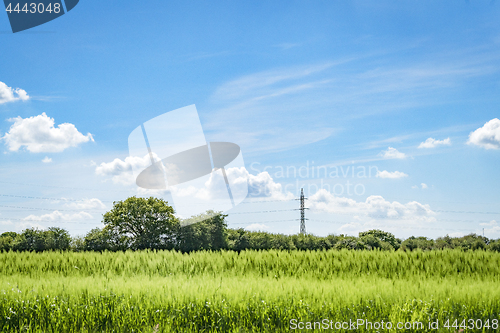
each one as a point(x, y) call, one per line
point(385, 113)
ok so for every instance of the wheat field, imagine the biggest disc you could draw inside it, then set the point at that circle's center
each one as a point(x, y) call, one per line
point(251, 291)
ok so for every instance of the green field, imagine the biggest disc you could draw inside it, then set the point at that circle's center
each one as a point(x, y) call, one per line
point(252, 291)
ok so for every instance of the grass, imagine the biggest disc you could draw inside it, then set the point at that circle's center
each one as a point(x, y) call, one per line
point(250, 292)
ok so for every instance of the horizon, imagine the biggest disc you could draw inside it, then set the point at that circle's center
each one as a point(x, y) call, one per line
point(407, 90)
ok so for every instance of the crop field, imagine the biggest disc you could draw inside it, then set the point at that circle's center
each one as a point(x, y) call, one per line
point(269, 291)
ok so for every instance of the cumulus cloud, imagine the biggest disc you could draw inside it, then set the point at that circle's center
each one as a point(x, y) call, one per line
point(488, 136)
point(257, 227)
point(392, 153)
point(391, 175)
point(47, 160)
point(20, 226)
point(58, 216)
point(375, 207)
point(424, 186)
point(432, 143)
point(121, 171)
point(261, 185)
point(39, 135)
point(492, 229)
point(8, 94)
point(93, 203)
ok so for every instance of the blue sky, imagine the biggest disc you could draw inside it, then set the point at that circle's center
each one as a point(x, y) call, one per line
point(295, 84)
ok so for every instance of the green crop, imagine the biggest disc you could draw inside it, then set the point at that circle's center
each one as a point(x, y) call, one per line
point(252, 291)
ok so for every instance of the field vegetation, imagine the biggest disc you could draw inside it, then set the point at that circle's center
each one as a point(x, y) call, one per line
point(147, 271)
point(250, 291)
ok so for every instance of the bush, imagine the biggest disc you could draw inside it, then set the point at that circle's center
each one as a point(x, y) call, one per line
point(413, 243)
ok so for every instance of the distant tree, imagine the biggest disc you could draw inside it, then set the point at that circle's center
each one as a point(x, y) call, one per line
point(282, 242)
point(7, 240)
point(57, 239)
point(307, 242)
point(147, 223)
point(31, 240)
point(77, 244)
point(445, 242)
point(349, 243)
point(207, 231)
point(472, 242)
point(373, 242)
point(97, 240)
point(260, 240)
point(238, 239)
point(383, 237)
point(413, 243)
point(494, 246)
point(10, 234)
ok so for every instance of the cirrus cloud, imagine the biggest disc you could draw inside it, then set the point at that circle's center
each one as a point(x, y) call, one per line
point(432, 143)
point(391, 175)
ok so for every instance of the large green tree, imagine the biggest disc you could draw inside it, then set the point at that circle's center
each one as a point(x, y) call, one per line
point(147, 223)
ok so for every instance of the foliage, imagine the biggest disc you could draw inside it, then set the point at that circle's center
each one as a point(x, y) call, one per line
point(412, 243)
point(250, 291)
point(147, 223)
point(206, 231)
point(380, 239)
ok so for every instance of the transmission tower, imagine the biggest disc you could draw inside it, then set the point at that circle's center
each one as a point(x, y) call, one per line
point(302, 213)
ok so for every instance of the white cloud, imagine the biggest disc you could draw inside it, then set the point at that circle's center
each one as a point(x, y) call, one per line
point(257, 227)
point(47, 160)
point(492, 229)
point(392, 175)
point(424, 186)
point(121, 171)
point(375, 207)
point(487, 136)
point(93, 203)
point(432, 143)
point(20, 226)
point(38, 135)
point(414, 186)
point(261, 185)
point(258, 85)
point(58, 216)
point(8, 94)
point(492, 223)
point(392, 153)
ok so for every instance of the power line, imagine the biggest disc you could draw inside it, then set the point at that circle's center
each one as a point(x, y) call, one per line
point(46, 198)
point(264, 211)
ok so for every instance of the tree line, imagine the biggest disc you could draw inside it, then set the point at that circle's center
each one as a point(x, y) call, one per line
point(149, 223)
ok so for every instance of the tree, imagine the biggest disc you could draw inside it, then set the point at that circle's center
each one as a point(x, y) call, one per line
point(382, 236)
point(7, 240)
point(148, 223)
point(238, 239)
point(31, 240)
point(350, 243)
point(207, 231)
point(413, 243)
point(57, 239)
